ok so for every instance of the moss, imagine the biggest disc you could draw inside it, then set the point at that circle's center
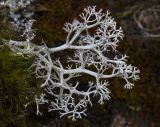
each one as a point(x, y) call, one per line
point(15, 87)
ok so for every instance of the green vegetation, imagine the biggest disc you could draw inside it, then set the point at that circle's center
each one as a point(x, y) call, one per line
point(16, 87)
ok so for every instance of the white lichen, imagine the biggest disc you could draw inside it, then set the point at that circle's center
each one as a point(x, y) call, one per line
point(18, 11)
point(91, 38)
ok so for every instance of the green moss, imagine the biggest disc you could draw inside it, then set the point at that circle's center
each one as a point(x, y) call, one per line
point(15, 87)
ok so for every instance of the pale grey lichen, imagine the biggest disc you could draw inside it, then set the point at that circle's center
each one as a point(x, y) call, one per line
point(18, 11)
point(90, 38)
